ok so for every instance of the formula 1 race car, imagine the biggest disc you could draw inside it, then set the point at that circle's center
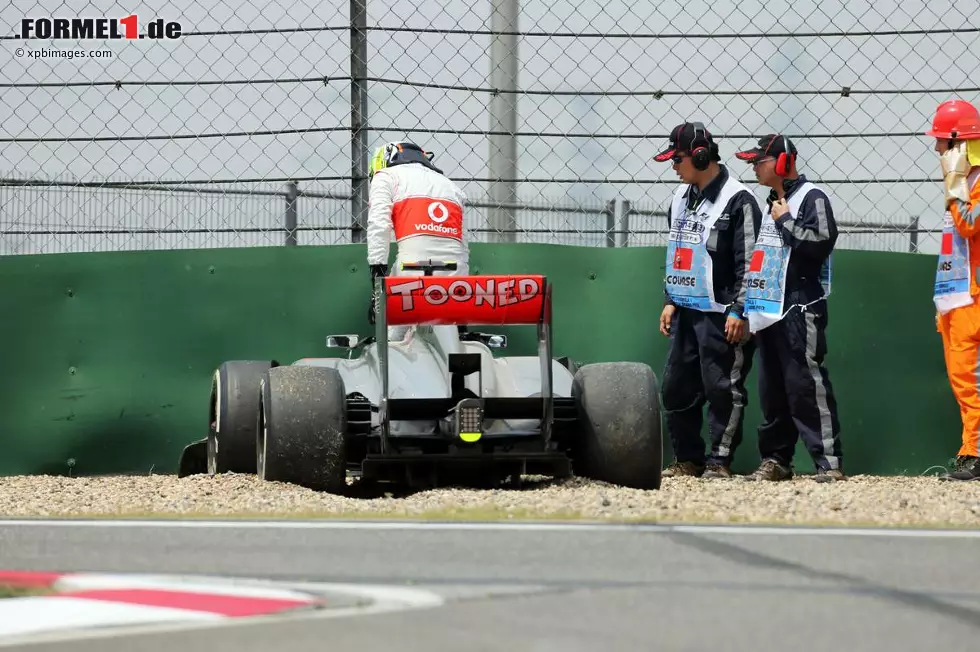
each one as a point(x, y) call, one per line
point(435, 405)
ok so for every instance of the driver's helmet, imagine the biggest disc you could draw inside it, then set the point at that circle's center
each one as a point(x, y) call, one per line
point(395, 153)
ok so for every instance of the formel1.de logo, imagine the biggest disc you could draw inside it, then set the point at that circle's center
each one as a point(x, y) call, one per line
point(102, 29)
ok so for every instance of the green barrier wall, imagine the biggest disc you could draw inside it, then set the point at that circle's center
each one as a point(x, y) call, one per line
point(108, 356)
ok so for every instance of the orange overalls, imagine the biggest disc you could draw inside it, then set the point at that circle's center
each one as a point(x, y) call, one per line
point(960, 326)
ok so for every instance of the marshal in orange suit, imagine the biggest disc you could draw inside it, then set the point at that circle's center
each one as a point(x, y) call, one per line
point(956, 128)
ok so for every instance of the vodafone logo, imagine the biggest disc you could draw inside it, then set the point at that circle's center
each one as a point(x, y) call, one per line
point(489, 293)
point(428, 216)
point(437, 228)
point(438, 212)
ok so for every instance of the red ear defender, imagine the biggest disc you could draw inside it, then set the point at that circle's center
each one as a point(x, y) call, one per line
point(785, 161)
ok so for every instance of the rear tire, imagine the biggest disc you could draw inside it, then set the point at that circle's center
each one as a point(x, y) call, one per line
point(619, 436)
point(302, 428)
point(234, 405)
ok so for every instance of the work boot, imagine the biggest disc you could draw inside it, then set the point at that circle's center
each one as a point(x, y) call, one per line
point(967, 468)
point(772, 471)
point(829, 475)
point(678, 469)
point(716, 470)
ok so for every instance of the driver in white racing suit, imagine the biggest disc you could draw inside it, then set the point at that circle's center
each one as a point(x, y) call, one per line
point(413, 199)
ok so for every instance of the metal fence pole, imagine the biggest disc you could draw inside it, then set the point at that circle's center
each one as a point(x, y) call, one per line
point(610, 212)
point(292, 196)
point(358, 119)
point(914, 235)
point(502, 161)
point(624, 223)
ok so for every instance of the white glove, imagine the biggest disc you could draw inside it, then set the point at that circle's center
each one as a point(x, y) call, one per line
point(955, 167)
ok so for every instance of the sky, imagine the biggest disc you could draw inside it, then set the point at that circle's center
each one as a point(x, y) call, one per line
point(704, 57)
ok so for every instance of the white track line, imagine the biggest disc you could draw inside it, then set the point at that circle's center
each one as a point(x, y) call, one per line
point(27, 617)
point(274, 524)
point(382, 599)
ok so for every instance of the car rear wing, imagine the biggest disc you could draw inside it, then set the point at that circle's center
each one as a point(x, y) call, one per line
point(501, 300)
point(465, 300)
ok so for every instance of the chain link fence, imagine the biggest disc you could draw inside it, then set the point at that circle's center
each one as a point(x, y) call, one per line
point(253, 127)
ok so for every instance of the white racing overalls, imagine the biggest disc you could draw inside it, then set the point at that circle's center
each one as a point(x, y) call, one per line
point(424, 210)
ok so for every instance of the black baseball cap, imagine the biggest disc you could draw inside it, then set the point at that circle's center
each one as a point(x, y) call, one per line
point(682, 140)
point(769, 145)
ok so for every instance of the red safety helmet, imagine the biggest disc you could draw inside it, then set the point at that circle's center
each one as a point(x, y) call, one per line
point(956, 119)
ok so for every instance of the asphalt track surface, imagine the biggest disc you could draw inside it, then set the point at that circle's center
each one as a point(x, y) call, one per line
point(550, 588)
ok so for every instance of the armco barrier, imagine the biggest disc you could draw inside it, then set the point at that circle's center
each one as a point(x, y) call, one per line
point(108, 356)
